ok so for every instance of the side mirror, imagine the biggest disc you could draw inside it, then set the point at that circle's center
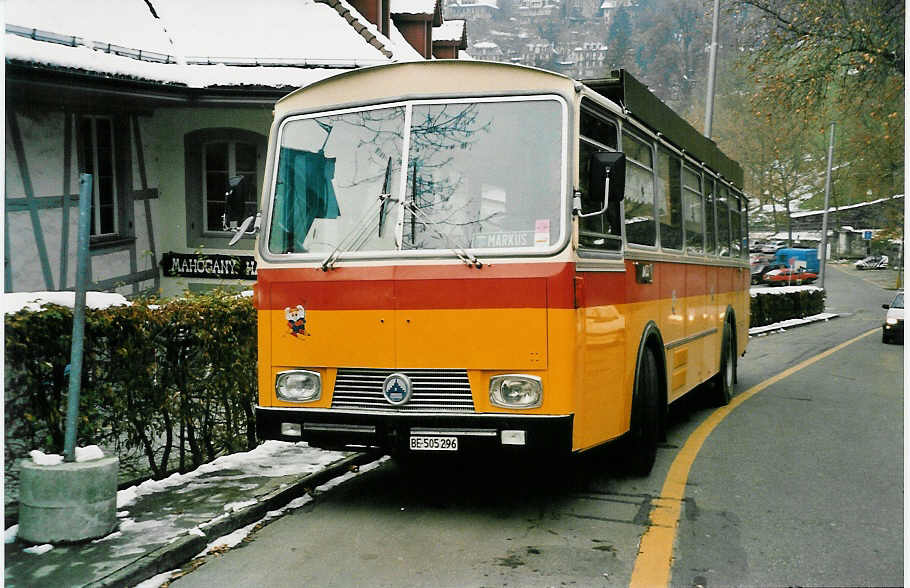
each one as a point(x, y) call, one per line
point(886, 306)
point(607, 172)
point(243, 229)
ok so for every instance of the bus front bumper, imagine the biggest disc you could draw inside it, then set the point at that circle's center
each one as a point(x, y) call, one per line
point(403, 432)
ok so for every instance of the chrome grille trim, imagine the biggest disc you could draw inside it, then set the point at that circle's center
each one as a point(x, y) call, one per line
point(434, 390)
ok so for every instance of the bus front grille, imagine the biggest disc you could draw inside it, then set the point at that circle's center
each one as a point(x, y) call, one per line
point(433, 390)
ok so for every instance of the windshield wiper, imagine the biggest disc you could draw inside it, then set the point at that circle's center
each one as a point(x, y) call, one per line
point(460, 252)
point(357, 236)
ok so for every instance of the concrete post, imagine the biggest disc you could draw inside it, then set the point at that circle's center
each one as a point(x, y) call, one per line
point(67, 502)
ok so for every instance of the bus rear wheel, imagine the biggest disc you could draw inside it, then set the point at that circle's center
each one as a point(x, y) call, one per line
point(725, 378)
point(644, 432)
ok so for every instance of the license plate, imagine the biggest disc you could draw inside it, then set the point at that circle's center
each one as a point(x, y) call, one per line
point(421, 443)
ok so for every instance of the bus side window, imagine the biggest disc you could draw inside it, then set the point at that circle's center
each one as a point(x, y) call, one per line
point(723, 220)
point(597, 135)
point(669, 200)
point(710, 229)
point(693, 217)
point(639, 201)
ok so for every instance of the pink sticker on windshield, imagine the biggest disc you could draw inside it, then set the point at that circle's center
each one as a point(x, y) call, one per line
point(542, 232)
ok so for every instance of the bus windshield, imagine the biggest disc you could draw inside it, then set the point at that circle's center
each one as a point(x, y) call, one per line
point(473, 174)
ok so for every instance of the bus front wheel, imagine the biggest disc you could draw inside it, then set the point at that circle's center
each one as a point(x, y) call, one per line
point(644, 432)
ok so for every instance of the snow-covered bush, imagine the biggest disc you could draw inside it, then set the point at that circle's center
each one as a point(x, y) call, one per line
point(151, 370)
point(772, 305)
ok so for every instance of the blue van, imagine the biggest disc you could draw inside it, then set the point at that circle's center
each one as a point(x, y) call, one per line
point(810, 256)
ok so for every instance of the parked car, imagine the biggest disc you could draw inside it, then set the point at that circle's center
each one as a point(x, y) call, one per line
point(760, 267)
point(789, 277)
point(872, 262)
point(893, 327)
point(772, 247)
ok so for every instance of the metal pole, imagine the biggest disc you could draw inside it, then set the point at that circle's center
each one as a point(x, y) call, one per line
point(712, 72)
point(823, 245)
point(72, 409)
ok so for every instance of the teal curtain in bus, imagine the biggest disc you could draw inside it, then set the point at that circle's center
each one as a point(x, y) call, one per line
point(303, 194)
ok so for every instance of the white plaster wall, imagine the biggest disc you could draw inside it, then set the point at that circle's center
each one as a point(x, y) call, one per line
point(146, 128)
point(23, 254)
point(110, 265)
point(42, 140)
point(144, 254)
point(13, 187)
point(171, 125)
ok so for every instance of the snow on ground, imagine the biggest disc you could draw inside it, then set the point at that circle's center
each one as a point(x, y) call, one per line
point(82, 454)
point(13, 302)
point(783, 325)
point(231, 473)
point(271, 459)
point(756, 290)
point(233, 539)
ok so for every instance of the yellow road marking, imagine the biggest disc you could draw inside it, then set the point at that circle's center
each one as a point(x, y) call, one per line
point(655, 551)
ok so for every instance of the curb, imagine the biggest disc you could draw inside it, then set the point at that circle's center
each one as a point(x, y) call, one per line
point(188, 546)
point(793, 323)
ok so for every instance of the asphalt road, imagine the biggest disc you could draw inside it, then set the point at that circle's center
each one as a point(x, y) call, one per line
point(801, 484)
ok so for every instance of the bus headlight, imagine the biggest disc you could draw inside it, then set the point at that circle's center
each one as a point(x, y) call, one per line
point(516, 391)
point(298, 386)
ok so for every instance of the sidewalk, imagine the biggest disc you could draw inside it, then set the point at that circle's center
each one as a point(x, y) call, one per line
point(165, 524)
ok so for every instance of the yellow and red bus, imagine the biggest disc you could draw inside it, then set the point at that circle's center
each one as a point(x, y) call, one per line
point(458, 256)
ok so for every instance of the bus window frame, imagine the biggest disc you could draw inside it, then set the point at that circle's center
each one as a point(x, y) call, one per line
point(697, 171)
point(595, 110)
point(645, 137)
point(395, 255)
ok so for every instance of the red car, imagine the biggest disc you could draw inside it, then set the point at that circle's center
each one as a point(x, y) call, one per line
point(789, 277)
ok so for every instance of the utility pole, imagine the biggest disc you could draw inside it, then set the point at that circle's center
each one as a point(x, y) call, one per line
point(823, 244)
point(712, 72)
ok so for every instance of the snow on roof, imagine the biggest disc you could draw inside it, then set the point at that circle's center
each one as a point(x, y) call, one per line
point(193, 76)
point(282, 29)
point(845, 207)
point(450, 30)
point(128, 23)
point(485, 45)
point(413, 6)
point(206, 42)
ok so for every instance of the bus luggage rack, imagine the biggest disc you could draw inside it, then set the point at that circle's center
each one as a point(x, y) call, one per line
point(433, 391)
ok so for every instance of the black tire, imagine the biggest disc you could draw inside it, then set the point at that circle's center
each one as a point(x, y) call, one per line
point(645, 430)
point(885, 338)
point(722, 386)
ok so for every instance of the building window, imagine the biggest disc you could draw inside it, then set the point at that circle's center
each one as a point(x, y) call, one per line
point(96, 145)
point(218, 160)
point(227, 163)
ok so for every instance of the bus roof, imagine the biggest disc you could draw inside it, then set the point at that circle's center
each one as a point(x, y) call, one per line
point(389, 82)
point(394, 81)
point(625, 90)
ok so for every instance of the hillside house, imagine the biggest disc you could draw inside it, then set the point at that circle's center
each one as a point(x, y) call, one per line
point(163, 102)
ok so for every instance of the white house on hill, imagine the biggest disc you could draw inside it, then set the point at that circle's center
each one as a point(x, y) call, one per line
point(162, 101)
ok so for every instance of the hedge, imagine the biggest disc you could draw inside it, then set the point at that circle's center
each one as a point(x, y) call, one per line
point(772, 305)
point(170, 384)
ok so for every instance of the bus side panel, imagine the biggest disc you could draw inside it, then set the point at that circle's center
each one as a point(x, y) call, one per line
point(710, 351)
point(696, 321)
point(671, 278)
point(602, 396)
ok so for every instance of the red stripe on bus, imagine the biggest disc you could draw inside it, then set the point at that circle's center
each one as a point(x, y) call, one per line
point(532, 285)
point(523, 285)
